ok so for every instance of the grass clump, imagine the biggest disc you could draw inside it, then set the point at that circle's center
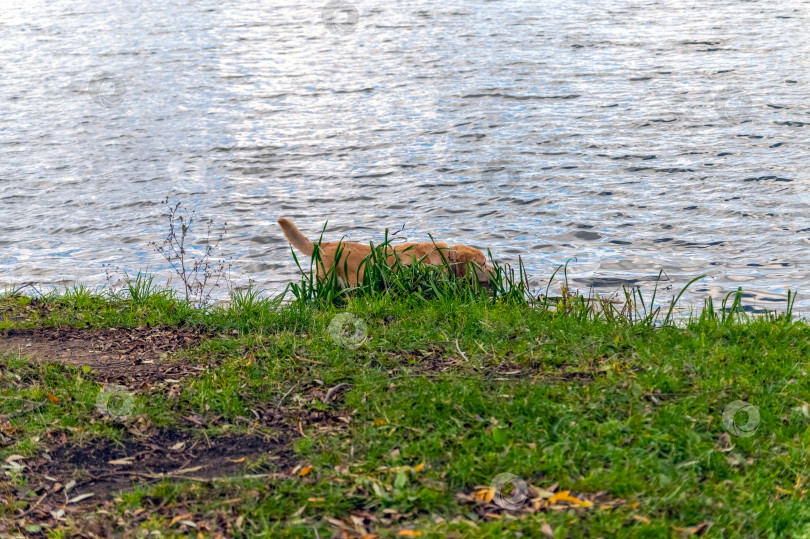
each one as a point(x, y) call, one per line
point(393, 279)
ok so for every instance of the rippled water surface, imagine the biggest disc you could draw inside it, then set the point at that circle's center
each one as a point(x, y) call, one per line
point(633, 136)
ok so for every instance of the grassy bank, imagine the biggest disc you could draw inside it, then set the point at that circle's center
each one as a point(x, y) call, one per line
point(397, 414)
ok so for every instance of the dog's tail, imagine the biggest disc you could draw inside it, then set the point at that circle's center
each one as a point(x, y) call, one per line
point(296, 238)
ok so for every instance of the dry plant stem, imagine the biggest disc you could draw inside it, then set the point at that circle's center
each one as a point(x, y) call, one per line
point(200, 276)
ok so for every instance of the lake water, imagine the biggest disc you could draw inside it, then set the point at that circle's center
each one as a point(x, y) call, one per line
point(631, 136)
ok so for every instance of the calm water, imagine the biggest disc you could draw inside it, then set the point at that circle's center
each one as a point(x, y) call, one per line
point(633, 136)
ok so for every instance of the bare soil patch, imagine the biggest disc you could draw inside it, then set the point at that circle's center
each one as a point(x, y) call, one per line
point(126, 355)
point(77, 479)
point(105, 467)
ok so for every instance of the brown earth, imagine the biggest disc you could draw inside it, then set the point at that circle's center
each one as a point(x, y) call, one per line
point(131, 356)
point(104, 467)
point(73, 480)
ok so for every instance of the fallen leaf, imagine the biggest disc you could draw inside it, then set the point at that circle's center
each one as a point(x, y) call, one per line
point(178, 518)
point(81, 497)
point(53, 398)
point(243, 459)
point(189, 470)
point(418, 467)
point(338, 523)
point(547, 530)
point(178, 446)
point(409, 533)
point(121, 462)
point(12, 458)
point(305, 471)
point(299, 512)
point(485, 494)
point(379, 422)
point(564, 496)
point(640, 518)
point(542, 493)
point(701, 528)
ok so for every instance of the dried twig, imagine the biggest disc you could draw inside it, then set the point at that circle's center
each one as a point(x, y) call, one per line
point(281, 400)
point(331, 392)
point(460, 352)
point(34, 506)
point(200, 276)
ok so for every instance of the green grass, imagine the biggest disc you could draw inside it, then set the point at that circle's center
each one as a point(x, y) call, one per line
point(451, 386)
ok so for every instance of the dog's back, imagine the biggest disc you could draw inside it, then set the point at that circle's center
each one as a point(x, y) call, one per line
point(349, 258)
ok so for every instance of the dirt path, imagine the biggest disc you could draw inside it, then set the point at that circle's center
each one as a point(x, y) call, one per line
point(130, 356)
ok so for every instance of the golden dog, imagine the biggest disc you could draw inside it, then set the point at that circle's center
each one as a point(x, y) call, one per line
point(350, 266)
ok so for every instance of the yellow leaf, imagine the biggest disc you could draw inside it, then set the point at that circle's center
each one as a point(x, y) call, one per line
point(316, 500)
point(305, 471)
point(248, 363)
point(640, 518)
point(409, 533)
point(379, 422)
point(559, 496)
point(563, 496)
point(418, 467)
point(485, 494)
point(243, 459)
point(53, 398)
